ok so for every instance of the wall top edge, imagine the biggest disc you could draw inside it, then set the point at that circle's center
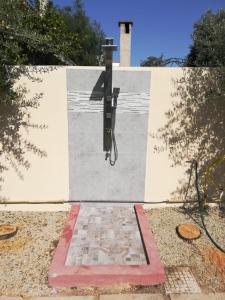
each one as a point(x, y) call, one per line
point(146, 69)
point(114, 67)
point(117, 68)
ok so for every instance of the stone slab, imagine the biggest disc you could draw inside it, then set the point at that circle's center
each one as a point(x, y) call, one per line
point(132, 297)
point(210, 296)
point(62, 298)
point(10, 298)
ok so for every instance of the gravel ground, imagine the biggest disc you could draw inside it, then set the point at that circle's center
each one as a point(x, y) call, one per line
point(206, 262)
point(25, 258)
point(24, 268)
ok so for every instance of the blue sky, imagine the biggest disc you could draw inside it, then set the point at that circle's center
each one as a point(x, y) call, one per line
point(160, 26)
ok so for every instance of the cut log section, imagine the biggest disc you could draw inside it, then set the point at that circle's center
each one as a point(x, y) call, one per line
point(7, 231)
point(188, 231)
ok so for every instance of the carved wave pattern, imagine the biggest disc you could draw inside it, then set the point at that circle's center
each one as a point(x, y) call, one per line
point(85, 101)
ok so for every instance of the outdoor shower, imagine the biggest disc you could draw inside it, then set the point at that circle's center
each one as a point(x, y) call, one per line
point(110, 104)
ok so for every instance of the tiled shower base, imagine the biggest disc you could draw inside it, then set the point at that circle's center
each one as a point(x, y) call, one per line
point(106, 244)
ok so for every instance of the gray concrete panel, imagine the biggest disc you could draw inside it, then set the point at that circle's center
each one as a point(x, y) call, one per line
point(91, 177)
point(127, 81)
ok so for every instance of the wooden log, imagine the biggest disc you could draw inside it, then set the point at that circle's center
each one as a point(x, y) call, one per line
point(7, 231)
point(188, 231)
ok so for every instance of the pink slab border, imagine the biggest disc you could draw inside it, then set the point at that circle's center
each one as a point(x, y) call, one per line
point(61, 275)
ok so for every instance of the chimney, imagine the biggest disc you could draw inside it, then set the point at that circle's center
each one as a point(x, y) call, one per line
point(125, 42)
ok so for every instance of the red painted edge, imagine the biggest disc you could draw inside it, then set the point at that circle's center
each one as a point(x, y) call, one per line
point(64, 242)
point(61, 275)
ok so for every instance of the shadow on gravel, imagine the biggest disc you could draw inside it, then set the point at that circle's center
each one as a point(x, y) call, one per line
point(192, 211)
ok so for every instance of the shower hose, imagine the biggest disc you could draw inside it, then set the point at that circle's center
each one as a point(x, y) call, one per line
point(113, 149)
point(201, 208)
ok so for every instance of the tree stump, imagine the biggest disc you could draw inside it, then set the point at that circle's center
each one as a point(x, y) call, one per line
point(188, 231)
point(7, 231)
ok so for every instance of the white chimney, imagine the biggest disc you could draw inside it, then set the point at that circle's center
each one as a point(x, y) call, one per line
point(125, 42)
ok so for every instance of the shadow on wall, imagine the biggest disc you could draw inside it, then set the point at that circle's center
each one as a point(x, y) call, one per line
point(15, 117)
point(195, 129)
point(97, 93)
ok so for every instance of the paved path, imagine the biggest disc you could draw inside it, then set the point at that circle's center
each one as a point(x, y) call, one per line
point(211, 296)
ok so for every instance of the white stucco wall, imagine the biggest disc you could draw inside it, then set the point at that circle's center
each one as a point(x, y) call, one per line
point(161, 178)
point(48, 178)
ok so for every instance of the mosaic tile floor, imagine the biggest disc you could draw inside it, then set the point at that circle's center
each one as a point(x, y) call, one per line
point(106, 234)
point(181, 280)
